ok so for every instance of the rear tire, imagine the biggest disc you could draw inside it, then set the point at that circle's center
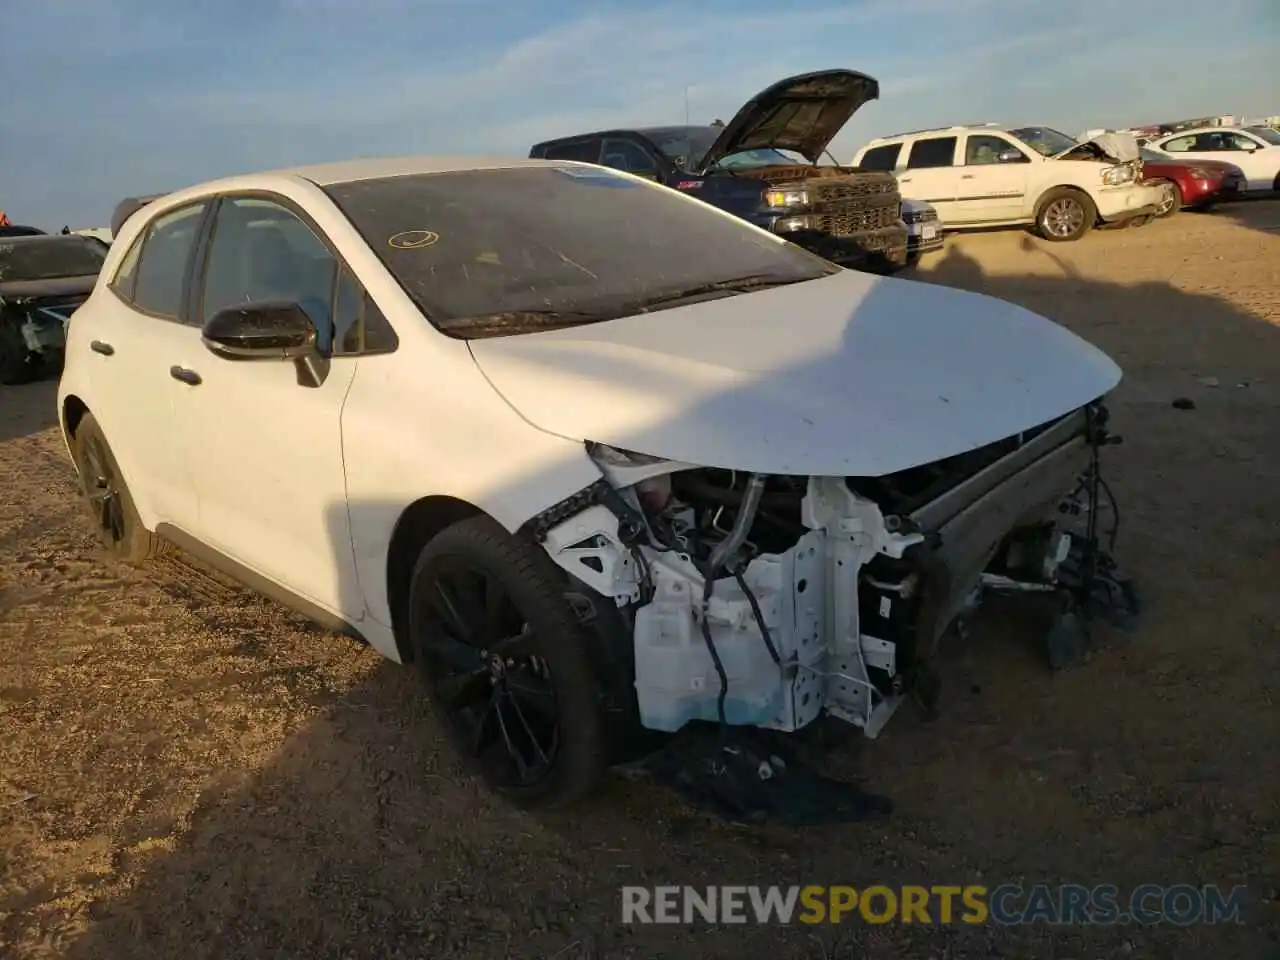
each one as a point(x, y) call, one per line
point(1065, 214)
point(1172, 202)
point(115, 518)
point(507, 664)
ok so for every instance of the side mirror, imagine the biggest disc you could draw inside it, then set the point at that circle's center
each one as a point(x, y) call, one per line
point(1248, 146)
point(274, 330)
point(1010, 156)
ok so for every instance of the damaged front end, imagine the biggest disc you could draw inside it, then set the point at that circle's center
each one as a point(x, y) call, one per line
point(767, 601)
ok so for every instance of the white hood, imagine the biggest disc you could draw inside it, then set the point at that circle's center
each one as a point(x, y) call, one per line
point(849, 375)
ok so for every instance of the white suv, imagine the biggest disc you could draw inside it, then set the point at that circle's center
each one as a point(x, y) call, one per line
point(987, 175)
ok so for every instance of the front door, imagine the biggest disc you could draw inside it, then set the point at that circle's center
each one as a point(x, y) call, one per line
point(992, 182)
point(265, 450)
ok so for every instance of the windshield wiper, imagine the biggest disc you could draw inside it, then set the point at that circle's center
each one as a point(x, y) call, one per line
point(510, 322)
point(755, 281)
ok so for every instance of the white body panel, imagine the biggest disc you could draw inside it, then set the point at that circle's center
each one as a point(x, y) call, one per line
point(848, 375)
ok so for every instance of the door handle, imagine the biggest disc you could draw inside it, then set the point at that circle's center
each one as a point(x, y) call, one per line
point(189, 377)
point(966, 176)
point(105, 349)
point(904, 180)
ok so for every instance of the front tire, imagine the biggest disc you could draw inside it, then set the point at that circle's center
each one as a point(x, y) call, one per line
point(507, 664)
point(1065, 215)
point(1172, 201)
point(115, 518)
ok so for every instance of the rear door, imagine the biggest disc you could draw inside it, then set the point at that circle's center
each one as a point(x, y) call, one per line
point(136, 335)
point(928, 172)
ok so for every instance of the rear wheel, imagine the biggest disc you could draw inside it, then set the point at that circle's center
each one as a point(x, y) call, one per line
point(115, 518)
point(507, 665)
point(1171, 200)
point(1065, 214)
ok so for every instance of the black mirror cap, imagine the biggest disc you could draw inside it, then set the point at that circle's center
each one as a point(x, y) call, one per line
point(268, 330)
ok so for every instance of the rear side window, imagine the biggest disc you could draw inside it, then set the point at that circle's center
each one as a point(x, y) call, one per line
point(934, 152)
point(583, 151)
point(629, 156)
point(881, 158)
point(162, 265)
point(1180, 144)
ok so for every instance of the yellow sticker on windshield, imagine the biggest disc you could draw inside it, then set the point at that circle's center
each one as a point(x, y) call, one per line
point(413, 239)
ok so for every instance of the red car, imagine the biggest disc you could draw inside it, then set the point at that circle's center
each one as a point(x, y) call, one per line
point(1197, 184)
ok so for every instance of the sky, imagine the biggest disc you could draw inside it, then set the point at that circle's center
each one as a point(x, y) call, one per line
point(105, 99)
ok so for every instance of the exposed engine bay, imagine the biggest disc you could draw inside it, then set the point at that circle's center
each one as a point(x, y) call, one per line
point(769, 600)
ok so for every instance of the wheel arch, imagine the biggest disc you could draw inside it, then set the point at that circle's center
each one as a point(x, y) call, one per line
point(73, 411)
point(416, 526)
point(1043, 198)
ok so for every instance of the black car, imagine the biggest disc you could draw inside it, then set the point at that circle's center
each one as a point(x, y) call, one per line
point(763, 167)
point(43, 279)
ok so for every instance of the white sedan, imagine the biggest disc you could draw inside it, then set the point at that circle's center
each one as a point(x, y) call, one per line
point(1255, 150)
point(595, 457)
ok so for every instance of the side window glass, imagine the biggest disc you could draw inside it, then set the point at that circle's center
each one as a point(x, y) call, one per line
point(163, 261)
point(584, 151)
point(1241, 142)
point(934, 152)
point(881, 158)
point(348, 304)
point(262, 251)
point(1178, 144)
point(981, 150)
point(127, 272)
point(629, 156)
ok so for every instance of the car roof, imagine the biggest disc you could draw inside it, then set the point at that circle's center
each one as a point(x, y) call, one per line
point(45, 237)
point(1192, 131)
point(956, 128)
point(377, 168)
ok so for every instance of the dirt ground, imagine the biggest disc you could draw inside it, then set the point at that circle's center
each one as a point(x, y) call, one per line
point(189, 771)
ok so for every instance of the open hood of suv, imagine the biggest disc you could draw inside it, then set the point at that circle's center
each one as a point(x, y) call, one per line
point(847, 375)
point(802, 113)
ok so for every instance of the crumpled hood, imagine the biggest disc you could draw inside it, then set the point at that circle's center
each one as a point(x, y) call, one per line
point(848, 375)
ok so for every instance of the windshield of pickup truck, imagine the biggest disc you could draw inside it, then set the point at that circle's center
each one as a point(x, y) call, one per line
point(1044, 140)
point(50, 258)
point(499, 252)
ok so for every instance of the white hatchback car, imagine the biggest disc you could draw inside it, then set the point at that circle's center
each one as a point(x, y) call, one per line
point(1255, 150)
point(988, 176)
point(591, 482)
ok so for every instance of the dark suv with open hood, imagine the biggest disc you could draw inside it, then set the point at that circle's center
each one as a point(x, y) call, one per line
point(763, 166)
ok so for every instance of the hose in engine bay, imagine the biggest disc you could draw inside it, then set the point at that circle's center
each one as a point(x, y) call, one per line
point(724, 552)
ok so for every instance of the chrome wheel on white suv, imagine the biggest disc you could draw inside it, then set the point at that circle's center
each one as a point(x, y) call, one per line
point(1065, 214)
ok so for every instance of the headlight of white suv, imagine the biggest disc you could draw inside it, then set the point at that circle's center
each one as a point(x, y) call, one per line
point(1114, 176)
point(786, 198)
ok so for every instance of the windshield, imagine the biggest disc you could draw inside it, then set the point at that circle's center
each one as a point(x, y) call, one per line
point(555, 246)
point(50, 258)
point(757, 158)
point(1265, 133)
point(1044, 140)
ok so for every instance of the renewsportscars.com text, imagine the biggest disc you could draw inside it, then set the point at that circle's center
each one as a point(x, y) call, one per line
point(1007, 904)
